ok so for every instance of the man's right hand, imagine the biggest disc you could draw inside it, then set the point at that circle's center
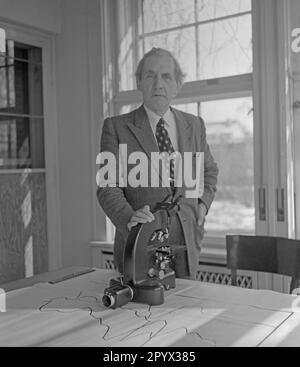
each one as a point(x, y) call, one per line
point(142, 215)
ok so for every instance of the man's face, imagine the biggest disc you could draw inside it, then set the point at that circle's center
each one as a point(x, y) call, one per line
point(158, 84)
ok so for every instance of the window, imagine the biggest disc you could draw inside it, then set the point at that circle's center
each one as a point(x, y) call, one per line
point(21, 107)
point(209, 32)
point(229, 128)
point(29, 211)
point(228, 50)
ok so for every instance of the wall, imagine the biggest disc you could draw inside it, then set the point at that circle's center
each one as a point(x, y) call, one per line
point(78, 64)
point(75, 26)
point(41, 14)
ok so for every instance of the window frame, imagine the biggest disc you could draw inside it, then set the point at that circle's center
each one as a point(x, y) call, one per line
point(270, 24)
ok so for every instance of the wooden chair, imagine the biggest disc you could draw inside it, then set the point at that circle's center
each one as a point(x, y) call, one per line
point(264, 253)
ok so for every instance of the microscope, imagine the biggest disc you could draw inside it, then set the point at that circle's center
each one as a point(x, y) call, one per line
point(147, 261)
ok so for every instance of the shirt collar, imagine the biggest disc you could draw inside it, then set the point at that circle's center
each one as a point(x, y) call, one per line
point(154, 118)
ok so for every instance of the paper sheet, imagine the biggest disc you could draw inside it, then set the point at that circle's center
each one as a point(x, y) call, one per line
point(71, 313)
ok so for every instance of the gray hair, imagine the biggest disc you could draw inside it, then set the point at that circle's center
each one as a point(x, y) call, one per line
point(179, 75)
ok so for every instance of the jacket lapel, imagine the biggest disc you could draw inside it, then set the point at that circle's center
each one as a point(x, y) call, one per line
point(141, 129)
point(184, 133)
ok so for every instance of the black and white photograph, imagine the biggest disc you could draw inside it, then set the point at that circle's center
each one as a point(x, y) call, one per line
point(149, 176)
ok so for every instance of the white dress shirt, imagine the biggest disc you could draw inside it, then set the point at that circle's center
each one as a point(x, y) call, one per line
point(170, 125)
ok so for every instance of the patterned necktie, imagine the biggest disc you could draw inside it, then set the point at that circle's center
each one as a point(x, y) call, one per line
point(165, 145)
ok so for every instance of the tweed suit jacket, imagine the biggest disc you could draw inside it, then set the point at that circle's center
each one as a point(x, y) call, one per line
point(119, 203)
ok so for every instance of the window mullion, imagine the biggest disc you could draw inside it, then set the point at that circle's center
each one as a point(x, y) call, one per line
point(202, 90)
point(220, 88)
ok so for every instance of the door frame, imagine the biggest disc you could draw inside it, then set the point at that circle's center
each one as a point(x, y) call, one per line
point(46, 42)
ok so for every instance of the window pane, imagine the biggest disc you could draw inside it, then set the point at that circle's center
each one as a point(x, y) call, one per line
point(211, 9)
point(126, 70)
point(162, 14)
point(201, 50)
point(2, 40)
point(21, 80)
point(188, 107)
point(7, 78)
point(128, 108)
point(225, 48)
point(229, 128)
point(126, 47)
point(181, 44)
point(21, 142)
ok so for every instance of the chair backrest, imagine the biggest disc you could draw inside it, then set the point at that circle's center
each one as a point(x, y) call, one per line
point(264, 253)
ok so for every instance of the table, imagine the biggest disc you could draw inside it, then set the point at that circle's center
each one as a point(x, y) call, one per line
point(194, 314)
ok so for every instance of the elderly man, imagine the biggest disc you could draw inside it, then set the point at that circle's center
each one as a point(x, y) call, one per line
point(157, 127)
